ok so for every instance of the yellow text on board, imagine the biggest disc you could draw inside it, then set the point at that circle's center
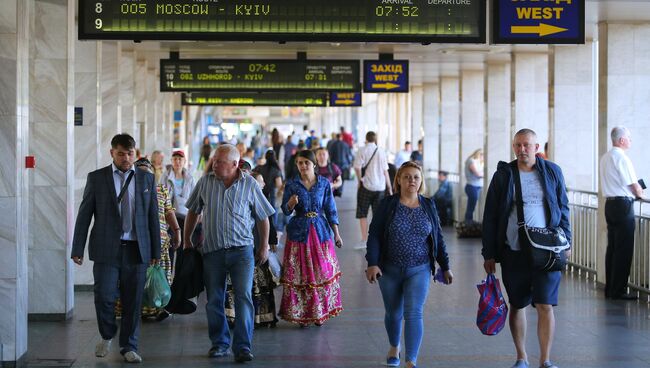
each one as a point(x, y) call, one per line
point(387, 72)
point(539, 13)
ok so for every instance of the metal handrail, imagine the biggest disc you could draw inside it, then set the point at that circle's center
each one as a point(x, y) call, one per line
point(584, 207)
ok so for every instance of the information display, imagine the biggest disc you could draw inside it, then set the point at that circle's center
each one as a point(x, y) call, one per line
point(254, 99)
point(385, 75)
point(422, 21)
point(259, 75)
point(539, 22)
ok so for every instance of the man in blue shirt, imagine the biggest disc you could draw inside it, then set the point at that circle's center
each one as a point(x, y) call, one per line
point(545, 204)
point(231, 202)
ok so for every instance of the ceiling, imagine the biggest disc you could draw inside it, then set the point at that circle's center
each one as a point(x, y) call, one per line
point(427, 62)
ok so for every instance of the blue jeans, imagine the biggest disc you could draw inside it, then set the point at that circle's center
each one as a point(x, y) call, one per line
point(405, 290)
point(472, 198)
point(239, 263)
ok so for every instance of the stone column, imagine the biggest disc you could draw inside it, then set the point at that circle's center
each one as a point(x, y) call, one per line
point(431, 137)
point(140, 93)
point(575, 132)
point(415, 131)
point(449, 133)
point(109, 109)
point(87, 143)
point(499, 138)
point(151, 91)
point(127, 95)
point(472, 127)
point(51, 294)
point(14, 178)
point(531, 94)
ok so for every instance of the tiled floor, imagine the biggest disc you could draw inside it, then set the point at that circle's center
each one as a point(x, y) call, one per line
point(591, 332)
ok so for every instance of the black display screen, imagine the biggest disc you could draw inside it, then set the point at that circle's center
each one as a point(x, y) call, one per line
point(259, 75)
point(254, 99)
point(425, 21)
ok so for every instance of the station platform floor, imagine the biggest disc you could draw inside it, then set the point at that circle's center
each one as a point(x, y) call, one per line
point(591, 332)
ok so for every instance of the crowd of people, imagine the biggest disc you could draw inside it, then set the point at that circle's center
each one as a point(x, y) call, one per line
point(239, 201)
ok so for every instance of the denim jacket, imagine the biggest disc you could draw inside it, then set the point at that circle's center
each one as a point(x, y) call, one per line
point(500, 199)
point(378, 235)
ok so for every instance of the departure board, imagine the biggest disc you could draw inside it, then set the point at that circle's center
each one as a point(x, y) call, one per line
point(259, 75)
point(254, 99)
point(421, 21)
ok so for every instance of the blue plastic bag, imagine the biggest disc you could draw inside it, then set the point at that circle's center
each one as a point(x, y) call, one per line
point(492, 308)
point(156, 289)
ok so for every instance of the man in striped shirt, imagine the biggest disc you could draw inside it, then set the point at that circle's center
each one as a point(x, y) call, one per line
point(231, 203)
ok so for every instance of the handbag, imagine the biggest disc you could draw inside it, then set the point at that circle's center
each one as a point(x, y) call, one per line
point(492, 308)
point(545, 245)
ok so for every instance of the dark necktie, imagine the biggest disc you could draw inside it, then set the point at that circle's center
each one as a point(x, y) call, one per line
point(125, 205)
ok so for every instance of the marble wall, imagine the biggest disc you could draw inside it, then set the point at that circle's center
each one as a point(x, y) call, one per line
point(628, 78)
point(14, 178)
point(111, 117)
point(87, 138)
point(416, 128)
point(126, 92)
point(52, 142)
point(499, 137)
point(575, 133)
point(431, 127)
point(450, 123)
point(531, 93)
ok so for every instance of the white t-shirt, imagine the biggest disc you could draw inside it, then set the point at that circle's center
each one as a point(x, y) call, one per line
point(374, 180)
point(617, 174)
point(532, 193)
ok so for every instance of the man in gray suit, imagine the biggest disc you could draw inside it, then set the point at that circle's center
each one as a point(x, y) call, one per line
point(125, 238)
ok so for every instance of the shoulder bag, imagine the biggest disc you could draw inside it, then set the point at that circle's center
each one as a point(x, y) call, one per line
point(363, 169)
point(545, 245)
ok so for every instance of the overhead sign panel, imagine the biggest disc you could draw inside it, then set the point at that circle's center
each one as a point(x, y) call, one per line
point(345, 99)
point(539, 21)
point(254, 99)
point(259, 75)
point(426, 21)
point(385, 76)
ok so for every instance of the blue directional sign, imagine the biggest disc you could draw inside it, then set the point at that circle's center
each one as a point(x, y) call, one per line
point(385, 75)
point(539, 21)
point(345, 99)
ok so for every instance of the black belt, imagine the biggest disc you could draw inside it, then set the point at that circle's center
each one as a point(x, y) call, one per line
point(129, 242)
point(620, 198)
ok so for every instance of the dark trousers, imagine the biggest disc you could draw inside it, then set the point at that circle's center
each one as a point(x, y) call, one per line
point(473, 193)
point(619, 214)
point(125, 280)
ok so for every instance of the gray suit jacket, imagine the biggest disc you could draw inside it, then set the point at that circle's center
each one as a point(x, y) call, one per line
point(100, 201)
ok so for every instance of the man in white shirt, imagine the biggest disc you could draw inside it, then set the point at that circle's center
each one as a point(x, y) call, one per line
point(371, 167)
point(403, 155)
point(620, 189)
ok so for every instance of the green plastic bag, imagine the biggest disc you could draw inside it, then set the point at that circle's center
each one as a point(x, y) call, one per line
point(156, 289)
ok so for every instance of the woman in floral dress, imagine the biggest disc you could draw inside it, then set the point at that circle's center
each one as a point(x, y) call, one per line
point(310, 277)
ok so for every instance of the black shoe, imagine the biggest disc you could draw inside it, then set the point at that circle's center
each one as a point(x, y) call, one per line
point(163, 315)
point(627, 296)
point(243, 356)
point(217, 352)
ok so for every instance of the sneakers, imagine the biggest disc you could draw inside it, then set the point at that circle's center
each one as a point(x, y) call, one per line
point(217, 352)
point(360, 245)
point(132, 357)
point(392, 362)
point(520, 363)
point(548, 364)
point(102, 348)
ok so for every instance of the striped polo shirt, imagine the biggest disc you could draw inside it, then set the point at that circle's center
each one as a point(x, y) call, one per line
point(228, 214)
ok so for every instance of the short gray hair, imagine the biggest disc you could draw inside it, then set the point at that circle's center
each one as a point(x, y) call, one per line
point(233, 153)
point(618, 133)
